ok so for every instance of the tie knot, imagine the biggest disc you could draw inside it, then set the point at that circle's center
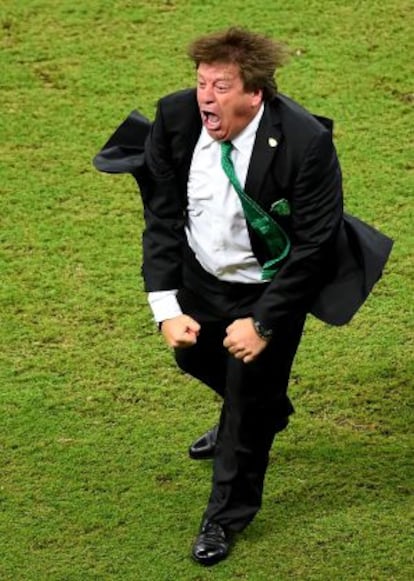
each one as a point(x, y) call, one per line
point(226, 147)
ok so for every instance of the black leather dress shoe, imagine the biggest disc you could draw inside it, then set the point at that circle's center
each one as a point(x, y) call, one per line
point(203, 448)
point(212, 544)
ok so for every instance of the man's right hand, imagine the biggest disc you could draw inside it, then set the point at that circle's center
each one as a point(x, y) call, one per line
point(181, 331)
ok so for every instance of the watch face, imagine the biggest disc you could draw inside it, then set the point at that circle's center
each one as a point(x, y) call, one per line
point(264, 333)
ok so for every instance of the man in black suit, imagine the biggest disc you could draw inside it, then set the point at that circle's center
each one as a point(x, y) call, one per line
point(230, 329)
point(206, 260)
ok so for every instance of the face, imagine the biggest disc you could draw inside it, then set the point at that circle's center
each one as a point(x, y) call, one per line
point(225, 107)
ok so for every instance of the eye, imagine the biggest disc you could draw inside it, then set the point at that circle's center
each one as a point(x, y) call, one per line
point(222, 87)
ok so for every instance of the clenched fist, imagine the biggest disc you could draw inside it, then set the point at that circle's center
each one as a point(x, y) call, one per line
point(180, 331)
point(242, 340)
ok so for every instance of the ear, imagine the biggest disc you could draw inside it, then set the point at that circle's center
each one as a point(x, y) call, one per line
point(257, 97)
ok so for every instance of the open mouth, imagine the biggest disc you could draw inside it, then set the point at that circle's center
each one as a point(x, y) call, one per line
point(210, 120)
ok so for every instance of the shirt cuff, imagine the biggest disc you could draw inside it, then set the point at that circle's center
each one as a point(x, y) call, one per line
point(164, 305)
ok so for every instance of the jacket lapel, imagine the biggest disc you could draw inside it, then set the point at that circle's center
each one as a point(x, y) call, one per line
point(267, 141)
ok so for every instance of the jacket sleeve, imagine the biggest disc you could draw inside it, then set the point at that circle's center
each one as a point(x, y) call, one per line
point(124, 150)
point(163, 236)
point(317, 210)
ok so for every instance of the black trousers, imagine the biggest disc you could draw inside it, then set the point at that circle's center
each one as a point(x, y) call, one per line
point(255, 407)
point(255, 401)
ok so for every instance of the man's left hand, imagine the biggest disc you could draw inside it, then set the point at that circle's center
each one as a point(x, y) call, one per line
point(242, 340)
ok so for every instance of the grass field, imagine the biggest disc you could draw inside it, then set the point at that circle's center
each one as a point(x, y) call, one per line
point(95, 419)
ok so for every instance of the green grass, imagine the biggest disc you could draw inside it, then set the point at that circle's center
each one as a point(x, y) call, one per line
point(95, 419)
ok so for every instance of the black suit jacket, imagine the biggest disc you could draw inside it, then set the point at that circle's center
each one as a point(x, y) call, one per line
point(335, 259)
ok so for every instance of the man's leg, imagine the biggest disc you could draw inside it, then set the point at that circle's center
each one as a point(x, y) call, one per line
point(206, 361)
point(255, 408)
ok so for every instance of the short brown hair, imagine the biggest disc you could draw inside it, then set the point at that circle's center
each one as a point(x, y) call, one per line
point(257, 56)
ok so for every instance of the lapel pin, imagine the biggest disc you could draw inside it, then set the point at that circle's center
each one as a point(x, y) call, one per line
point(272, 142)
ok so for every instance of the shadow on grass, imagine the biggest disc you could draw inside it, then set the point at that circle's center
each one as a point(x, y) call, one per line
point(309, 480)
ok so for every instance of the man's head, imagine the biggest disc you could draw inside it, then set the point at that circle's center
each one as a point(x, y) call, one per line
point(235, 73)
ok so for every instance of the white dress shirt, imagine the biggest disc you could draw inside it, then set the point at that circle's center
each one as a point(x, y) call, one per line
point(216, 227)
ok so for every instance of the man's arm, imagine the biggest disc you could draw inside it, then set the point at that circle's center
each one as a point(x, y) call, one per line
point(164, 235)
point(163, 239)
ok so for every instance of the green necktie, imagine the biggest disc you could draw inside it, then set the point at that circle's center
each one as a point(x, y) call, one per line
point(275, 237)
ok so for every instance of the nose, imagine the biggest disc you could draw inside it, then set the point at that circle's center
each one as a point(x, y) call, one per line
point(206, 94)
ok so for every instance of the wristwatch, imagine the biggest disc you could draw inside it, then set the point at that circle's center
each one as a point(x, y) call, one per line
point(263, 333)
